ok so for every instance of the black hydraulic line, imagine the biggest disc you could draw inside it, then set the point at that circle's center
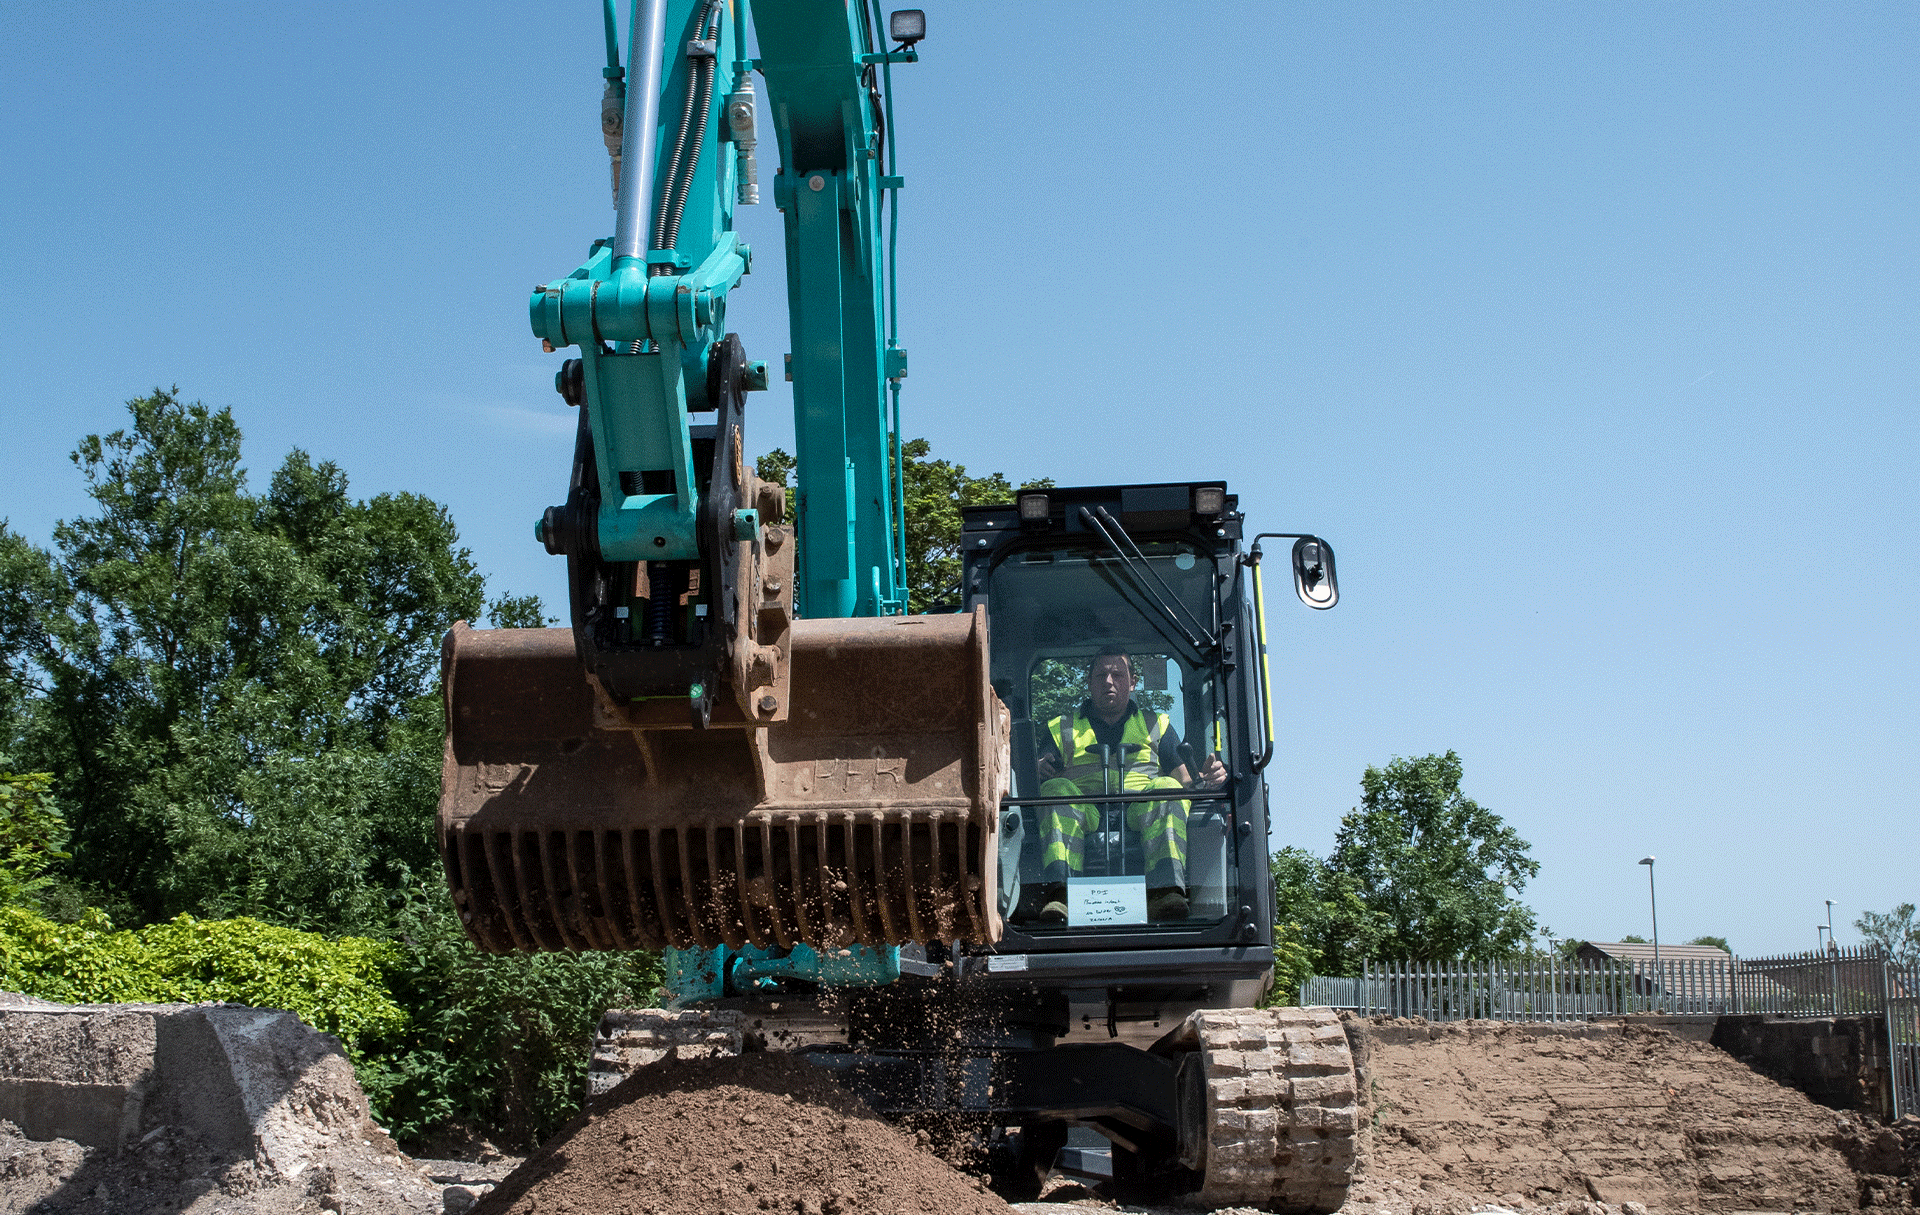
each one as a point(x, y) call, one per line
point(705, 72)
point(1094, 522)
point(1155, 575)
point(666, 227)
point(673, 169)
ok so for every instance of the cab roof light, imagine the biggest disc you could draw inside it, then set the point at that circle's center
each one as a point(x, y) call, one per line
point(1035, 509)
point(1209, 500)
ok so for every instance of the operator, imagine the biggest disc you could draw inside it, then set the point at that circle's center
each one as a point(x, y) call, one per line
point(1145, 750)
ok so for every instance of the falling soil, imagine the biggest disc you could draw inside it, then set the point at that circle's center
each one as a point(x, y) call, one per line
point(750, 1133)
point(1536, 1115)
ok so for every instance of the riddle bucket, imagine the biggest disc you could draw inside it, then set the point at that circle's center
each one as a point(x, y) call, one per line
point(568, 822)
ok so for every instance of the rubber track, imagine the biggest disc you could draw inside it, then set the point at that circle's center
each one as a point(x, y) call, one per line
point(629, 1039)
point(1281, 1116)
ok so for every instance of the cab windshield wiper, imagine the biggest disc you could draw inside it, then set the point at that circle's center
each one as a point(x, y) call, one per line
point(1100, 521)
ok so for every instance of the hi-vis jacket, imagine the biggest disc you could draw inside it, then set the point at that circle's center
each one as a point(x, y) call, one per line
point(1138, 757)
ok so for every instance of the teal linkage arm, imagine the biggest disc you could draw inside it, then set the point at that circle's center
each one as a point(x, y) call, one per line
point(646, 318)
point(646, 308)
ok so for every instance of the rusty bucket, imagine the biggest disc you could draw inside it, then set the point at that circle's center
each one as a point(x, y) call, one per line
point(569, 822)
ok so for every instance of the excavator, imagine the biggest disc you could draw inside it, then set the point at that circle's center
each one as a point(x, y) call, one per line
point(897, 844)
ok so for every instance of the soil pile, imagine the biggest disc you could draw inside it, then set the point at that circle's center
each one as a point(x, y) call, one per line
point(751, 1133)
point(1613, 1113)
point(1886, 1157)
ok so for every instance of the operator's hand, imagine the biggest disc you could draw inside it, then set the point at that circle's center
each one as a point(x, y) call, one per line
point(1213, 773)
point(1048, 767)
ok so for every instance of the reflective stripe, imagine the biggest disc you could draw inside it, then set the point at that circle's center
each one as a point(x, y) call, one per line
point(1076, 738)
point(1159, 827)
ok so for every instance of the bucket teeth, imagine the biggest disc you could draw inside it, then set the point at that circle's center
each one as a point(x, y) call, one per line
point(876, 887)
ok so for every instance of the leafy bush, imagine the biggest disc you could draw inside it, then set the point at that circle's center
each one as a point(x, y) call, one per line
point(496, 1044)
point(1292, 965)
point(336, 986)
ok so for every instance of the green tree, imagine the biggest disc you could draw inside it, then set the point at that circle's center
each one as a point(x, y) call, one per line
point(935, 492)
point(1441, 872)
point(1896, 932)
point(495, 1042)
point(1633, 939)
point(237, 694)
point(235, 691)
point(1716, 942)
point(1322, 911)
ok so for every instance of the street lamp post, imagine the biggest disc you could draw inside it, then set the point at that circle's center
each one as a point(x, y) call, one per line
point(1653, 905)
point(1833, 961)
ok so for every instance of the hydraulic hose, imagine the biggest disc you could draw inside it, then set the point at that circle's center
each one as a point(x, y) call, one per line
point(685, 185)
point(685, 158)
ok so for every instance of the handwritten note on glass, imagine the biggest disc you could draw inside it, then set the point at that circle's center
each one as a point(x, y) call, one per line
point(1107, 900)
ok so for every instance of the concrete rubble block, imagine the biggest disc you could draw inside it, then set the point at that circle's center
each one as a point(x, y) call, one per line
point(459, 1199)
point(250, 1083)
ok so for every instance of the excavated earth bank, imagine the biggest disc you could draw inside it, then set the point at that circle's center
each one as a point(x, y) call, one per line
point(1533, 1115)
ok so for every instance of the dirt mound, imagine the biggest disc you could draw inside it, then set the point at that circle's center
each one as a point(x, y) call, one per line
point(1608, 1112)
point(757, 1132)
point(1886, 1157)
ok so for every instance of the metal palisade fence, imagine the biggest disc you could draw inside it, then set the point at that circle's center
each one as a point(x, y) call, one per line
point(1840, 982)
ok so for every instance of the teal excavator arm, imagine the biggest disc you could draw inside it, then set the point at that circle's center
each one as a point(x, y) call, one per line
point(742, 741)
point(648, 308)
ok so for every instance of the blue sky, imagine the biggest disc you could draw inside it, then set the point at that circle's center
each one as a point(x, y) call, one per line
point(1585, 332)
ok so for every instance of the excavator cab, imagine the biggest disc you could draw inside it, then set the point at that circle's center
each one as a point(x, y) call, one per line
point(1111, 828)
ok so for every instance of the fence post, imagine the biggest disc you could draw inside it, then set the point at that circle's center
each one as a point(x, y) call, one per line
point(1833, 979)
point(1893, 1048)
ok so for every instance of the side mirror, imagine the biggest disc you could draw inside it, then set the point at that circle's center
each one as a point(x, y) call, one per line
point(1313, 578)
point(909, 25)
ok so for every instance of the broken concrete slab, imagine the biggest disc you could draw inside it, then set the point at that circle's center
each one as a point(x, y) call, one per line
point(250, 1083)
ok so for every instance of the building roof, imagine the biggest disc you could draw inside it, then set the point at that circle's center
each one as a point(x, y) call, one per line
point(1635, 951)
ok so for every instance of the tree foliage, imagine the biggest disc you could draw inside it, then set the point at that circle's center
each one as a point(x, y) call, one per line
point(1441, 871)
point(1418, 871)
point(235, 691)
point(935, 492)
point(496, 1043)
point(236, 696)
point(31, 834)
point(1716, 942)
point(1896, 932)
